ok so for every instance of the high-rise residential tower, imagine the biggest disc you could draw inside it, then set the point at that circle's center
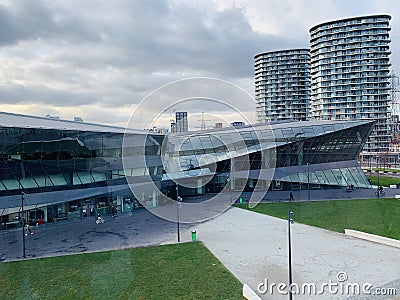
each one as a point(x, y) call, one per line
point(282, 85)
point(350, 73)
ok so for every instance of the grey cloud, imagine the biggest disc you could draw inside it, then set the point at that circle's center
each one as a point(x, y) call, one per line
point(215, 43)
point(133, 57)
point(114, 53)
point(38, 94)
point(154, 37)
point(25, 20)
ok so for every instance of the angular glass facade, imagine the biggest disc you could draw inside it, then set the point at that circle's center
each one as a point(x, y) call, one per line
point(74, 170)
point(67, 168)
point(291, 153)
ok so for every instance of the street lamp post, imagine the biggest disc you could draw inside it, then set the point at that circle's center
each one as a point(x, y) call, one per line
point(178, 203)
point(370, 165)
point(290, 221)
point(23, 224)
point(377, 170)
point(308, 181)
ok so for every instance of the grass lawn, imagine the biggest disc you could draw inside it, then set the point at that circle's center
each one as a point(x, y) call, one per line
point(383, 180)
point(181, 271)
point(384, 169)
point(376, 216)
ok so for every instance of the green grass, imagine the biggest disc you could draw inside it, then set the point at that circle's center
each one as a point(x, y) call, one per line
point(182, 271)
point(385, 169)
point(383, 180)
point(376, 216)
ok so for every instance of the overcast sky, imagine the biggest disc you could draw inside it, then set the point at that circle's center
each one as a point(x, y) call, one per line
point(99, 59)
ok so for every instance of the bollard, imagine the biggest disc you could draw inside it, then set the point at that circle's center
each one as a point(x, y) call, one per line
point(193, 235)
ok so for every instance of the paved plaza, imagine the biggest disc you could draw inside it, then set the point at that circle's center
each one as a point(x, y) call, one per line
point(254, 247)
point(68, 237)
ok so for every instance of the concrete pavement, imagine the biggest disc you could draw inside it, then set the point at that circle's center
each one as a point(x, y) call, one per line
point(254, 247)
point(70, 237)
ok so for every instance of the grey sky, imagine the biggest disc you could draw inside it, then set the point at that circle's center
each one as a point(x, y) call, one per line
point(99, 59)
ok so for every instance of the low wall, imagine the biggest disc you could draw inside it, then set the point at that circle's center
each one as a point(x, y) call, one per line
point(373, 238)
point(249, 294)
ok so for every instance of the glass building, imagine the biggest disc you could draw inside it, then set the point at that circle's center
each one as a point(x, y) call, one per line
point(68, 169)
point(350, 73)
point(276, 156)
point(74, 170)
point(282, 85)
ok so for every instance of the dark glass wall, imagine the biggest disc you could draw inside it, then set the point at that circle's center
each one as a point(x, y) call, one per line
point(40, 160)
point(331, 147)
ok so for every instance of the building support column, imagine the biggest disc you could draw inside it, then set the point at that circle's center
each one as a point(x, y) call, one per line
point(120, 203)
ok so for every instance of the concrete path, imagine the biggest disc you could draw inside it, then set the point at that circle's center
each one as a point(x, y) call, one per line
point(254, 247)
point(80, 236)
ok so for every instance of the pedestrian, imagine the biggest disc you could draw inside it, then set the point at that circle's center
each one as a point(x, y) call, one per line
point(113, 211)
point(28, 229)
point(291, 198)
point(380, 189)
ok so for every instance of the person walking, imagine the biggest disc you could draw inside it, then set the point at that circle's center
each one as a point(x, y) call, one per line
point(28, 229)
point(291, 198)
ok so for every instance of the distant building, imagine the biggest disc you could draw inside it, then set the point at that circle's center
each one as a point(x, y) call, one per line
point(173, 130)
point(52, 117)
point(218, 125)
point(237, 124)
point(282, 85)
point(159, 130)
point(181, 122)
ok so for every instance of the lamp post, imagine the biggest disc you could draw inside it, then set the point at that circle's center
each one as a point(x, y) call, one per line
point(23, 224)
point(370, 165)
point(308, 181)
point(377, 169)
point(290, 221)
point(178, 203)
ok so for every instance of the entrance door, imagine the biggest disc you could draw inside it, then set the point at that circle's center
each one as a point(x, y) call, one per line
point(88, 209)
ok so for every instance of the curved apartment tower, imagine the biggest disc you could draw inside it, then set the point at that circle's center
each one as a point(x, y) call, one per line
point(282, 85)
point(350, 73)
